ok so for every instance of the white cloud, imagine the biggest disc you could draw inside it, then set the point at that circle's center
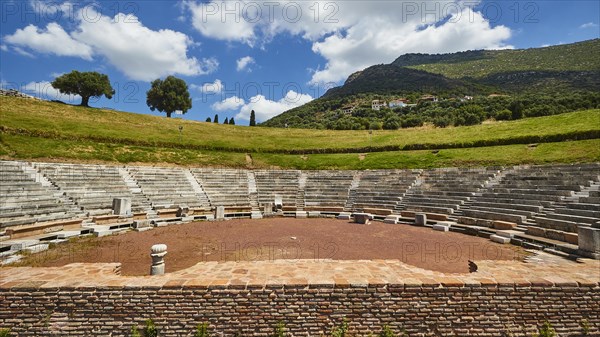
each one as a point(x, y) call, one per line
point(222, 20)
point(52, 40)
point(139, 52)
point(45, 90)
point(351, 35)
point(588, 25)
point(230, 103)
point(215, 87)
point(136, 50)
point(244, 62)
point(265, 108)
point(370, 42)
point(50, 9)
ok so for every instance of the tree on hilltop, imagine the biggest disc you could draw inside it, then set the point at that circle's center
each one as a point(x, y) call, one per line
point(169, 96)
point(208, 120)
point(252, 118)
point(231, 121)
point(84, 84)
point(226, 121)
point(216, 119)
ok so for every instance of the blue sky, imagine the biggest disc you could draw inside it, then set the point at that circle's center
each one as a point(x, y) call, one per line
point(267, 56)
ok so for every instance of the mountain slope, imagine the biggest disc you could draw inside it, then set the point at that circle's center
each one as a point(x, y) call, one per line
point(581, 56)
point(546, 78)
point(390, 79)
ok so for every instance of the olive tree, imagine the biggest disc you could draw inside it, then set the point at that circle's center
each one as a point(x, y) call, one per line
point(169, 96)
point(85, 84)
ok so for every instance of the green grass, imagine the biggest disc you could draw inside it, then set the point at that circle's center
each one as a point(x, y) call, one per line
point(565, 152)
point(49, 131)
point(71, 122)
point(42, 149)
point(568, 57)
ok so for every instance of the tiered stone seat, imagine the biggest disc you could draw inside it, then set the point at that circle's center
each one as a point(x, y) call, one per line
point(167, 188)
point(327, 190)
point(566, 215)
point(445, 190)
point(92, 187)
point(381, 189)
point(528, 194)
point(225, 187)
point(283, 183)
point(23, 201)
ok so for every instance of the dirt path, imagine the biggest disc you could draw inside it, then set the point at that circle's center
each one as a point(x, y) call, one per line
point(282, 238)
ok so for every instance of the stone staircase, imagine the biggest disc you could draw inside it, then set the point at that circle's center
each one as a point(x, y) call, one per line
point(352, 191)
point(136, 191)
point(300, 194)
point(400, 205)
point(32, 171)
point(253, 196)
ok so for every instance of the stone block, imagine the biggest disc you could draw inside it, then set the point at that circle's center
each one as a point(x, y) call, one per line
point(420, 219)
point(363, 218)
point(267, 208)
point(256, 215)
point(392, 219)
point(503, 225)
point(37, 248)
point(441, 228)
point(589, 241)
point(344, 216)
point(314, 214)
point(139, 224)
point(278, 202)
point(67, 234)
point(182, 211)
point(220, 213)
point(446, 223)
point(437, 216)
point(22, 244)
point(572, 238)
point(301, 214)
point(505, 234)
point(122, 206)
point(484, 223)
point(499, 239)
point(536, 231)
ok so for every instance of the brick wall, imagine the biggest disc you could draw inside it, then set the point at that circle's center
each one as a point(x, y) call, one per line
point(486, 310)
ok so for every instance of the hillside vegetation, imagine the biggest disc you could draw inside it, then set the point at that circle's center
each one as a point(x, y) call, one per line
point(542, 81)
point(32, 129)
point(576, 57)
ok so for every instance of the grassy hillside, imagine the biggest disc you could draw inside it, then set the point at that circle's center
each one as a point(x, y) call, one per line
point(40, 130)
point(551, 78)
point(479, 64)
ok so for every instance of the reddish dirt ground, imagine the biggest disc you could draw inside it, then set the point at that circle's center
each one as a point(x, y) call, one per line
point(281, 238)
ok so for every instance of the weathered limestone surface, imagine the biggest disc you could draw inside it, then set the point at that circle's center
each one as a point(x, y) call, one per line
point(308, 295)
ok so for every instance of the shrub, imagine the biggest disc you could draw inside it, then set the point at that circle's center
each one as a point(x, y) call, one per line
point(412, 121)
point(4, 332)
point(135, 332)
point(585, 327)
point(202, 330)
point(340, 330)
point(503, 115)
point(279, 330)
point(150, 329)
point(442, 122)
point(392, 123)
point(388, 332)
point(546, 331)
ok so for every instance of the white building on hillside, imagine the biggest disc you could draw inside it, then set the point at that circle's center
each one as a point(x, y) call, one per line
point(377, 104)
